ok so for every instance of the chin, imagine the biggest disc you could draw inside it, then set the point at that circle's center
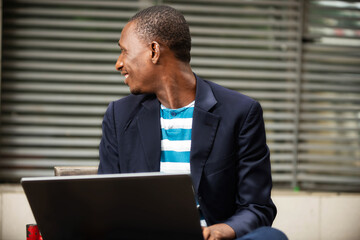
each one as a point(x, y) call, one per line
point(136, 91)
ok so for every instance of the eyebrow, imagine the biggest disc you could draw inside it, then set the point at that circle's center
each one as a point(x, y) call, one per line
point(120, 46)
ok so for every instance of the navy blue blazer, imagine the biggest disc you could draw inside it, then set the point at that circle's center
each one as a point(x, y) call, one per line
point(229, 158)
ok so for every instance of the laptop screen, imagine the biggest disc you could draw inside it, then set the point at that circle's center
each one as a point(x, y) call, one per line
point(116, 206)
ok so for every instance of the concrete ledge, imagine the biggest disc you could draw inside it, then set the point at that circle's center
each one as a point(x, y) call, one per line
point(318, 216)
point(301, 215)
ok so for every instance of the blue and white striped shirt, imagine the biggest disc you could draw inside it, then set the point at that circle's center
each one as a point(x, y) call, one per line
point(176, 125)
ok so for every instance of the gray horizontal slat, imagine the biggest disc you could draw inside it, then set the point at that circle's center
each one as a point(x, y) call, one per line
point(217, 62)
point(51, 131)
point(237, 2)
point(328, 117)
point(281, 146)
point(326, 107)
point(343, 78)
point(236, 21)
point(62, 55)
point(64, 24)
point(329, 147)
point(330, 187)
point(66, 88)
point(279, 115)
point(328, 179)
point(64, 44)
point(332, 22)
point(115, 77)
point(243, 53)
point(270, 95)
point(220, 41)
point(105, 46)
point(114, 21)
point(336, 138)
point(282, 177)
point(331, 97)
point(327, 58)
point(58, 98)
point(50, 152)
point(54, 109)
point(334, 5)
point(248, 84)
point(56, 66)
point(186, 9)
point(51, 120)
point(283, 157)
point(82, 3)
point(332, 88)
point(269, 33)
point(47, 162)
point(16, 174)
point(62, 34)
point(336, 169)
point(280, 126)
point(317, 30)
point(338, 41)
point(282, 167)
point(49, 141)
point(322, 127)
point(330, 49)
point(279, 136)
point(326, 157)
point(107, 35)
point(218, 72)
point(278, 105)
point(69, 12)
point(327, 68)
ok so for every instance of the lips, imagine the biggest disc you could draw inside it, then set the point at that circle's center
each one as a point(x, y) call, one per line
point(126, 75)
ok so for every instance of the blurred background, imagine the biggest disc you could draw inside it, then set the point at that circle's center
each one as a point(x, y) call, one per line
point(299, 59)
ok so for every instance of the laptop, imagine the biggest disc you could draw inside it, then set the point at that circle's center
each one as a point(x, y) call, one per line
point(114, 206)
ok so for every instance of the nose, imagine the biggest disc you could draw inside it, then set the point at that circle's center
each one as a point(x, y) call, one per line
point(119, 63)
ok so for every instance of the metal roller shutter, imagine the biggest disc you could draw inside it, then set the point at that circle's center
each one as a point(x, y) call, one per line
point(329, 139)
point(58, 77)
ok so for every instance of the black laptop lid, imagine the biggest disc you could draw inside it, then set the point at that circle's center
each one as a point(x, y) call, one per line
point(116, 206)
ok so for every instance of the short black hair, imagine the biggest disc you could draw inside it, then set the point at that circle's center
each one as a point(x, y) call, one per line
point(166, 25)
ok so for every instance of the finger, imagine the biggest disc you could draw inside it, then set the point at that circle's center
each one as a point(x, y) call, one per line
point(206, 233)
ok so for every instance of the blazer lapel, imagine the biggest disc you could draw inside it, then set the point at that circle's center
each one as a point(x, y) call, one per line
point(150, 132)
point(204, 129)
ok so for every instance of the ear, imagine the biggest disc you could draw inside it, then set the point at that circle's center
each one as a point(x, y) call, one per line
point(155, 52)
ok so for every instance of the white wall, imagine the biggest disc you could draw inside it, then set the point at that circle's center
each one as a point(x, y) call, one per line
point(305, 216)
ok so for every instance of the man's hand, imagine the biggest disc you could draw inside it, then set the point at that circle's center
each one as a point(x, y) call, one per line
point(218, 232)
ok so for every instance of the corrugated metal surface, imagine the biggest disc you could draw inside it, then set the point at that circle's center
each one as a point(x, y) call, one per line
point(329, 149)
point(59, 75)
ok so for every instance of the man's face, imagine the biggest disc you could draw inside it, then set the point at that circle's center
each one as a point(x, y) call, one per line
point(135, 62)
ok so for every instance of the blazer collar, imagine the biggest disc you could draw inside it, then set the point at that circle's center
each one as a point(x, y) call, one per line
point(150, 131)
point(204, 128)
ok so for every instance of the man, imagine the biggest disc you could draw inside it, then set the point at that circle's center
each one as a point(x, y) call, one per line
point(174, 121)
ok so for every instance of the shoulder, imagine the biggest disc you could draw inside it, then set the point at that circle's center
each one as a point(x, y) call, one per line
point(232, 98)
point(123, 109)
point(130, 102)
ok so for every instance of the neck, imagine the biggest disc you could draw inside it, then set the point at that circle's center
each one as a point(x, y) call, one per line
point(177, 86)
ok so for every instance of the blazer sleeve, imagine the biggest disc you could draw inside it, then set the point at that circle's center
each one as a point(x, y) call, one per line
point(254, 205)
point(108, 148)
